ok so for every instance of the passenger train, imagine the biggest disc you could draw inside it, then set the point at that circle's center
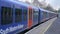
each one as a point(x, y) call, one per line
point(17, 16)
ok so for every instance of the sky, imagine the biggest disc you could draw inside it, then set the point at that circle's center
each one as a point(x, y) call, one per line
point(54, 3)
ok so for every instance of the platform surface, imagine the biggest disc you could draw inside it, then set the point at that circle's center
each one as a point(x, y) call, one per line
point(42, 28)
point(54, 28)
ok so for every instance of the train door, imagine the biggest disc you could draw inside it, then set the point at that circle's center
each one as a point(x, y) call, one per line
point(44, 15)
point(39, 17)
point(30, 19)
point(35, 16)
point(48, 15)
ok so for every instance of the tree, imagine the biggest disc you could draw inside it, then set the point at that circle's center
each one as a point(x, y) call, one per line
point(49, 8)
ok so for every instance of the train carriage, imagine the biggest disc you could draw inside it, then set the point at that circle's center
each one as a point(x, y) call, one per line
point(17, 16)
point(13, 16)
point(45, 15)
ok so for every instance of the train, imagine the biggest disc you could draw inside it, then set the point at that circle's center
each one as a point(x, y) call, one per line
point(18, 16)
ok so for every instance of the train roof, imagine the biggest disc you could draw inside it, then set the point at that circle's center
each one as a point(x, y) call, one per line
point(16, 2)
point(47, 10)
point(20, 3)
point(35, 8)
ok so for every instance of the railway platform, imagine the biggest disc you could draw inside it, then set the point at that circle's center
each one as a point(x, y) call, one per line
point(54, 28)
point(45, 28)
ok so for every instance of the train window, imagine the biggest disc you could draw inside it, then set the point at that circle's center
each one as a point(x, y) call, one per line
point(18, 15)
point(35, 14)
point(24, 14)
point(45, 14)
point(6, 15)
point(30, 13)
